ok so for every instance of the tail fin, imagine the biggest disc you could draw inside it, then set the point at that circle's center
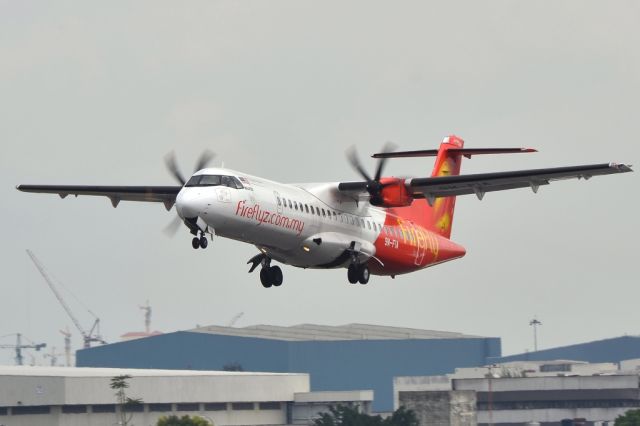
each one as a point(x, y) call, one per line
point(448, 161)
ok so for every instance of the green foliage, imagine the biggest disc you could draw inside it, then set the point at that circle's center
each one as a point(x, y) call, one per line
point(630, 418)
point(343, 415)
point(183, 421)
point(120, 384)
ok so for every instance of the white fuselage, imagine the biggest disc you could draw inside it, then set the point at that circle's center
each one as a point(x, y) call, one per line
point(305, 225)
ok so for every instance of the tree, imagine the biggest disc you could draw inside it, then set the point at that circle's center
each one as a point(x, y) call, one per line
point(343, 415)
point(183, 421)
point(630, 418)
point(124, 414)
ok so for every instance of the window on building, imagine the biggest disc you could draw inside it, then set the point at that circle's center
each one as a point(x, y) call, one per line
point(242, 406)
point(24, 410)
point(3, 411)
point(103, 408)
point(270, 405)
point(160, 408)
point(188, 406)
point(134, 408)
point(215, 406)
point(74, 409)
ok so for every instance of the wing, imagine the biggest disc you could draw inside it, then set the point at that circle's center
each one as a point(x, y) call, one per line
point(479, 184)
point(158, 194)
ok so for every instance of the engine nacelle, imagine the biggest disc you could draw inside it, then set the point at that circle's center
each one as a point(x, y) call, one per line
point(394, 193)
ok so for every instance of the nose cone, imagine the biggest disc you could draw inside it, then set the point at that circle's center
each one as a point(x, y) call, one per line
point(189, 203)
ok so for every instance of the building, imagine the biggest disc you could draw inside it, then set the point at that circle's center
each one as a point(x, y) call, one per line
point(607, 350)
point(60, 396)
point(543, 392)
point(353, 356)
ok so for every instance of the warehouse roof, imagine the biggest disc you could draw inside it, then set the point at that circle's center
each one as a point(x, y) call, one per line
point(38, 371)
point(306, 332)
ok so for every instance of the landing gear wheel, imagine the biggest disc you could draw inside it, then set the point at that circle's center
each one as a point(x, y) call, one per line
point(265, 277)
point(353, 273)
point(275, 273)
point(203, 242)
point(195, 243)
point(364, 274)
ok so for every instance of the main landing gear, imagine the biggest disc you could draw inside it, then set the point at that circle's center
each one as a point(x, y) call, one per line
point(358, 273)
point(269, 275)
point(200, 242)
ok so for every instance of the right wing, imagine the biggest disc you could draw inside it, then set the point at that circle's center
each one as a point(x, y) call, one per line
point(160, 194)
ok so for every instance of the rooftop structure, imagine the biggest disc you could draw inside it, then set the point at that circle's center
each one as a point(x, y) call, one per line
point(62, 396)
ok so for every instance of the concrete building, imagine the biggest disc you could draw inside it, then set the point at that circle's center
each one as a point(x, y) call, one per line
point(545, 392)
point(344, 357)
point(59, 396)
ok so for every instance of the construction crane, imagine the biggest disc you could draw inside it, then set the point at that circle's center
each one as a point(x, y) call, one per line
point(18, 347)
point(235, 319)
point(147, 317)
point(93, 335)
point(67, 346)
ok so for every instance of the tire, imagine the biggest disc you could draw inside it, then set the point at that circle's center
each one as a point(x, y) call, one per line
point(265, 277)
point(352, 274)
point(276, 276)
point(195, 243)
point(203, 242)
point(363, 274)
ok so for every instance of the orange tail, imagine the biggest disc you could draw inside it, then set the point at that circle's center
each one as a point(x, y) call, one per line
point(439, 217)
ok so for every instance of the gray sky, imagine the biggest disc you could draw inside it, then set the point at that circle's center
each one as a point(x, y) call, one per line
point(98, 93)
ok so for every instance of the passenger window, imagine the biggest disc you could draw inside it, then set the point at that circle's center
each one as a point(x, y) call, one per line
point(306, 208)
point(335, 217)
point(368, 225)
point(362, 223)
point(295, 205)
point(290, 205)
point(324, 214)
point(279, 203)
point(317, 211)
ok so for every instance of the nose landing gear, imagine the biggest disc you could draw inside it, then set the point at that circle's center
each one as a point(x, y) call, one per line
point(200, 242)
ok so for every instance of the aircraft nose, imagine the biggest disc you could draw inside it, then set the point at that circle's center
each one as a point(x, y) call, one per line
point(188, 204)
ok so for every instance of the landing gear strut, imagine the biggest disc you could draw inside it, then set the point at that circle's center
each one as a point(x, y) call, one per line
point(358, 273)
point(269, 275)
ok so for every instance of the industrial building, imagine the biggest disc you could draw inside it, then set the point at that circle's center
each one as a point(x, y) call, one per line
point(353, 356)
point(61, 396)
point(518, 393)
point(607, 350)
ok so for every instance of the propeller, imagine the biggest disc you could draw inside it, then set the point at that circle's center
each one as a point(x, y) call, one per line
point(374, 186)
point(172, 164)
point(170, 160)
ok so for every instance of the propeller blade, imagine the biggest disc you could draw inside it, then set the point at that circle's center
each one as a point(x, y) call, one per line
point(170, 161)
point(171, 229)
point(352, 156)
point(205, 158)
point(388, 147)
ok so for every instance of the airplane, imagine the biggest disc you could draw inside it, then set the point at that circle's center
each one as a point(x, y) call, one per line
point(381, 225)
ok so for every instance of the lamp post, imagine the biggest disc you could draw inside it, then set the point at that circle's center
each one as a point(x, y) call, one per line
point(535, 323)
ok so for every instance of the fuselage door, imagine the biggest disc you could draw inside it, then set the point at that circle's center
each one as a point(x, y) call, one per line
point(278, 201)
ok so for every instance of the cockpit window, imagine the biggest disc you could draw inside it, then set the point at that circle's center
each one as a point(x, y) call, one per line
point(215, 180)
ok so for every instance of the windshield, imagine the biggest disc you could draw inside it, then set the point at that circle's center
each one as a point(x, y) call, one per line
point(215, 180)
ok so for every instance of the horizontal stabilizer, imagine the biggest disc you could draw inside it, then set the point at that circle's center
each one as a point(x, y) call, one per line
point(467, 152)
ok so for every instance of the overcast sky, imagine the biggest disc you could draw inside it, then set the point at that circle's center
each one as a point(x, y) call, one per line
point(99, 92)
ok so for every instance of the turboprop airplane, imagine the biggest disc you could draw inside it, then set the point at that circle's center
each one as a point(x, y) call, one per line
point(380, 225)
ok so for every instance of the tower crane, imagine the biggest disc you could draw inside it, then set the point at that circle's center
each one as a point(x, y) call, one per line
point(147, 317)
point(93, 335)
point(19, 346)
point(67, 346)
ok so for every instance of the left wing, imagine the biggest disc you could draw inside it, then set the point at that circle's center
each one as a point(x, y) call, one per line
point(159, 194)
point(481, 183)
